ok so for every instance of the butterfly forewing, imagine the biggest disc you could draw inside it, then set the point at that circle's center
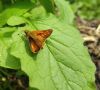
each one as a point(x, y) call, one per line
point(40, 36)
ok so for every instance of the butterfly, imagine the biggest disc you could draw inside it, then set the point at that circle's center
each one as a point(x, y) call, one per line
point(37, 39)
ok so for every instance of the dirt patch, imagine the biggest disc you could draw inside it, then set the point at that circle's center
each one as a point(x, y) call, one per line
point(90, 31)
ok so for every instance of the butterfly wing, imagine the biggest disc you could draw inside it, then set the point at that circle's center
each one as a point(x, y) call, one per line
point(33, 46)
point(40, 36)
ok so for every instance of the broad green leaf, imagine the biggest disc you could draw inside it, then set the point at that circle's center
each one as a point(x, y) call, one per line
point(66, 13)
point(38, 13)
point(17, 9)
point(15, 20)
point(48, 4)
point(62, 64)
point(6, 59)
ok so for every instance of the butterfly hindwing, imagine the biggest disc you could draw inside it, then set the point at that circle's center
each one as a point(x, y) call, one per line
point(33, 46)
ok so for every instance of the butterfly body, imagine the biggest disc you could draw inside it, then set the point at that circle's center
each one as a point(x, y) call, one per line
point(37, 39)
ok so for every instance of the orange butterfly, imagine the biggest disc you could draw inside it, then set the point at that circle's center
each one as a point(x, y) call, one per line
point(37, 39)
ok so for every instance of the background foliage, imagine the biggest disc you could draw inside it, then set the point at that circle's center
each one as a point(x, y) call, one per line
point(87, 9)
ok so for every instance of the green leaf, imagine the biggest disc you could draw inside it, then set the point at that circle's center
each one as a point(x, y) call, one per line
point(48, 4)
point(17, 9)
point(62, 64)
point(66, 13)
point(15, 20)
point(6, 59)
point(38, 13)
point(33, 1)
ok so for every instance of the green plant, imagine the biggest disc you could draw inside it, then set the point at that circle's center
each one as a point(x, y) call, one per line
point(63, 63)
point(85, 8)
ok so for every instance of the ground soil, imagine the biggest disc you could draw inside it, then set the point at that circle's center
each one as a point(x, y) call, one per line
point(90, 32)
